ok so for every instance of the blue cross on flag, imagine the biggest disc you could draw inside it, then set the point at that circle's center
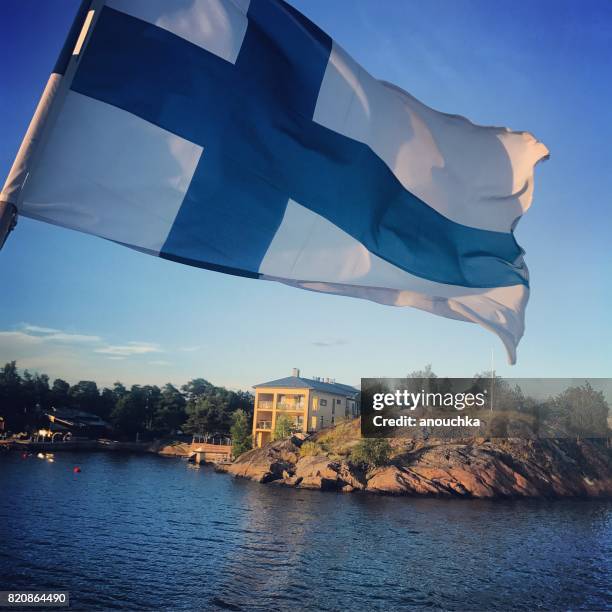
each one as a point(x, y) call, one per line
point(237, 136)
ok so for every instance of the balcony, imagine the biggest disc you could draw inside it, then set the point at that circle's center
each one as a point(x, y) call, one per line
point(290, 406)
point(264, 425)
point(264, 405)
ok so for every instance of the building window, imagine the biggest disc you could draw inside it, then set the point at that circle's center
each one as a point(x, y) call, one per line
point(323, 402)
point(290, 402)
point(264, 401)
point(338, 401)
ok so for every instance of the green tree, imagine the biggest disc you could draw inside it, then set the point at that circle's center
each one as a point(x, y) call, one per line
point(208, 415)
point(170, 414)
point(12, 407)
point(584, 411)
point(107, 403)
point(60, 394)
point(130, 413)
point(152, 400)
point(9, 376)
point(35, 389)
point(210, 408)
point(424, 376)
point(85, 396)
point(282, 428)
point(242, 400)
point(42, 390)
point(23, 399)
point(198, 388)
point(119, 390)
point(35, 397)
point(242, 439)
point(371, 452)
point(207, 408)
point(501, 396)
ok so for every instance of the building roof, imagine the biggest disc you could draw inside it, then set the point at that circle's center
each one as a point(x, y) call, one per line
point(75, 418)
point(298, 382)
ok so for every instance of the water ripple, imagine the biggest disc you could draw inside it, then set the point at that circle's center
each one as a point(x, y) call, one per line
point(148, 533)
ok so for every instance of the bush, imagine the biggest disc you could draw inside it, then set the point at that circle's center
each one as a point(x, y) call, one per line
point(339, 439)
point(310, 449)
point(242, 440)
point(371, 452)
point(283, 427)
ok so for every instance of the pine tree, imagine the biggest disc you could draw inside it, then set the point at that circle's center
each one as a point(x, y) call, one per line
point(242, 440)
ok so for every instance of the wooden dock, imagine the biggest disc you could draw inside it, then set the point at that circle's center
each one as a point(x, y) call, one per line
point(211, 453)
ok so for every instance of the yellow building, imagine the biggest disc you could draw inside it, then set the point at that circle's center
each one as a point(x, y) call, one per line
point(310, 403)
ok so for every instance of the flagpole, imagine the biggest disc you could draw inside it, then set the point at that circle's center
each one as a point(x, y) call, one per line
point(18, 174)
point(8, 220)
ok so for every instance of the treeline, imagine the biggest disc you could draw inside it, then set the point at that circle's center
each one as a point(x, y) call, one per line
point(149, 410)
point(578, 411)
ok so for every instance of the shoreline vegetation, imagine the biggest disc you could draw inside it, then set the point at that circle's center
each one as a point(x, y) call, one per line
point(143, 412)
point(338, 459)
point(150, 419)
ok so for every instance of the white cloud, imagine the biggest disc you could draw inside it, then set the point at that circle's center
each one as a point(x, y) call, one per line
point(17, 337)
point(75, 356)
point(189, 349)
point(131, 348)
point(36, 329)
point(72, 338)
point(331, 342)
point(49, 334)
point(34, 335)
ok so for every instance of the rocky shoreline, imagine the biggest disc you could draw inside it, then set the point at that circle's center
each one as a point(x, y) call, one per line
point(474, 468)
point(478, 468)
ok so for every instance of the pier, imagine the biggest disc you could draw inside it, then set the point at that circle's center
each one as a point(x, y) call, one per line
point(210, 449)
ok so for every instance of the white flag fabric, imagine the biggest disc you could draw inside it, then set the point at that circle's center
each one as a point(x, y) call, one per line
point(239, 137)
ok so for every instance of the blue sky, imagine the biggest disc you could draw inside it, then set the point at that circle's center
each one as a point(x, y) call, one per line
point(79, 307)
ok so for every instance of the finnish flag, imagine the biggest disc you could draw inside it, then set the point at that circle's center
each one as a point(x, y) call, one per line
point(237, 136)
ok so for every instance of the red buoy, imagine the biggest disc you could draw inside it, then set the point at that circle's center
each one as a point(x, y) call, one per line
point(76, 469)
